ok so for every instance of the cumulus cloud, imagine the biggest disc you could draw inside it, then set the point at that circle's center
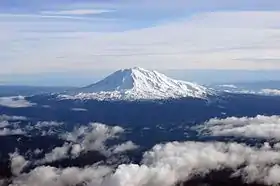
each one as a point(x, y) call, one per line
point(127, 146)
point(15, 102)
point(7, 132)
point(93, 136)
point(168, 164)
point(88, 138)
point(38, 151)
point(76, 149)
point(267, 127)
point(46, 176)
point(56, 154)
point(4, 124)
point(18, 162)
point(171, 163)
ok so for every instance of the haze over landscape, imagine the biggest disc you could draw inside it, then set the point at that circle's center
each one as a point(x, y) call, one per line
point(85, 40)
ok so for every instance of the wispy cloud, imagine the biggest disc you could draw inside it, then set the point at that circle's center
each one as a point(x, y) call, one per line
point(77, 12)
point(29, 18)
point(203, 41)
point(109, 35)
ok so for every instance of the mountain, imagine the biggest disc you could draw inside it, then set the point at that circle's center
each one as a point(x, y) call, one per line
point(138, 84)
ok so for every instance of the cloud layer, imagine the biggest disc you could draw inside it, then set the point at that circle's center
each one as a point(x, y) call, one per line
point(77, 12)
point(8, 132)
point(266, 127)
point(166, 165)
point(203, 40)
point(15, 102)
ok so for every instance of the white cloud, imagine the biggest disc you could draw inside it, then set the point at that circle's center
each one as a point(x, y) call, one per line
point(88, 138)
point(267, 127)
point(127, 146)
point(18, 162)
point(38, 151)
point(167, 164)
point(42, 124)
point(46, 176)
point(4, 124)
point(4, 117)
point(93, 136)
point(43, 127)
point(79, 109)
point(214, 40)
point(76, 149)
point(56, 154)
point(8, 125)
point(15, 102)
point(8, 132)
point(274, 92)
point(228, 86)
point(77, 12)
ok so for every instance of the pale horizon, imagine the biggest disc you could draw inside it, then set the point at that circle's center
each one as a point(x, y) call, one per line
point(42, 38)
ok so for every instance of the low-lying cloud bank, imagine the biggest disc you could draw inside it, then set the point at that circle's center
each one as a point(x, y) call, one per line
point(265, 127)
point(8, 132)
point(273, 92)
point(5, 117)
point(166, 165)
point(15, 102)
point(51, 176)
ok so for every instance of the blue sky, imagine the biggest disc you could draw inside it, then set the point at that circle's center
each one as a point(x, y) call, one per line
point(89, 38)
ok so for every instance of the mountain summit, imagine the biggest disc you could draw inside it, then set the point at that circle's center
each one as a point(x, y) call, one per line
point(138, 84)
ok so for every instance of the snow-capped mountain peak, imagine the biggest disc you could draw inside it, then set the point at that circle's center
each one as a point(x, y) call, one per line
point(120, 80)
point(138, 83)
